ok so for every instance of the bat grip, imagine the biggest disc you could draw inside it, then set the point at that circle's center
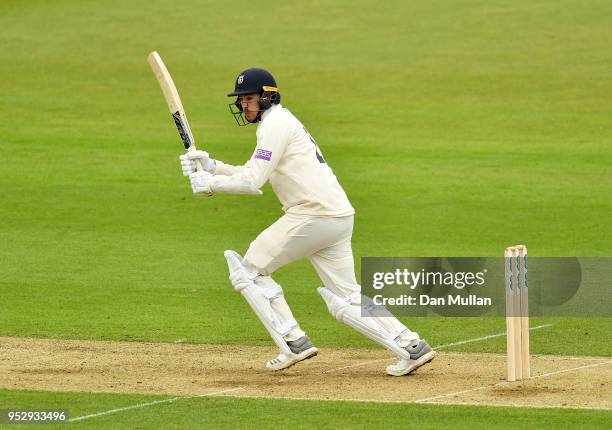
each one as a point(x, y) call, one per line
point(199, 165)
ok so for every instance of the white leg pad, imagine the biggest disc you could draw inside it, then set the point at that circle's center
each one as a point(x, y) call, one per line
point(348, 311)
point(398, 331)
point(259, 294)
point(281, 313)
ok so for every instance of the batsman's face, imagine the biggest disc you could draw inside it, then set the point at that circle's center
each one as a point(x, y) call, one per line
point(250, 105)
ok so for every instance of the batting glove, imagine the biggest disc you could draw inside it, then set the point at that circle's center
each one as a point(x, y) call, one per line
point(188, 162)
point(200, 183)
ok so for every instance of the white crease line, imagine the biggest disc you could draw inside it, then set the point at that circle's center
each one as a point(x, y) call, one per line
point(463, 342)
point(569, 357)
point(456, 393)
point(499, 384)
point(157, 402)
point(491, 336)
point(544, 375)
point(358, 364)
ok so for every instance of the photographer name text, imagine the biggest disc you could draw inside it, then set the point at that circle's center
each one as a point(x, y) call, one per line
point(425, 300)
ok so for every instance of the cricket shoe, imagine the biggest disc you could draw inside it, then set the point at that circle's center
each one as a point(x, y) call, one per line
point(301, 349)
point(420, 354)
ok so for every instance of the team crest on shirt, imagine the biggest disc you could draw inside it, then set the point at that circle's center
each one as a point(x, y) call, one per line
point(262, 154)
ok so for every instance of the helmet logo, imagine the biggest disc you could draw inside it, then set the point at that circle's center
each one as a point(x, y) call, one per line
point(240, 79)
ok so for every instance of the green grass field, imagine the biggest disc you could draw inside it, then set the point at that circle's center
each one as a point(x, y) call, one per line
point(456, 127)
point(220, 413)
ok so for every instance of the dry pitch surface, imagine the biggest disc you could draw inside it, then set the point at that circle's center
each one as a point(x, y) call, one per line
point(335, 374)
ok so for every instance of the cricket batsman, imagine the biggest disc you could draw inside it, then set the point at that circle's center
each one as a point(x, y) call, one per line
point(317, 224)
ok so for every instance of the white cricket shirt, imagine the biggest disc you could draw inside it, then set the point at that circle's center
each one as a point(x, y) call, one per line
point(288, 157)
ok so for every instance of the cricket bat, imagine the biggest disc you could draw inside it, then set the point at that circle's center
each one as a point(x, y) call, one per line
point(174, 103)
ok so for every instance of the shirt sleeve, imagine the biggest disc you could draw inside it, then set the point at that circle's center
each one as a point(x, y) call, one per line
point(272, 140)
point(222, 168)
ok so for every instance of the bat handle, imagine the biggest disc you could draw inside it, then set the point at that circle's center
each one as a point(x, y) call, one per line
point(199, 165)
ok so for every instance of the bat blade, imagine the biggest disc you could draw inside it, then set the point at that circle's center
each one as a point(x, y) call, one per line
point(174, 102)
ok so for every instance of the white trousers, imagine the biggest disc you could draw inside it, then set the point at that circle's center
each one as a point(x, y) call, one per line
point(325, 241)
